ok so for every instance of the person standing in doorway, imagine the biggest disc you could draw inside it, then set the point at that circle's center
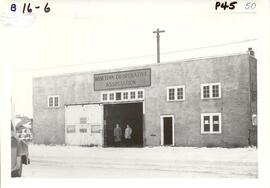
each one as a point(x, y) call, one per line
point(117, 133)
point(128, 132)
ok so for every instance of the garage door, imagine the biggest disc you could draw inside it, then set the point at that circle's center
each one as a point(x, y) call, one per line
point(84, 125)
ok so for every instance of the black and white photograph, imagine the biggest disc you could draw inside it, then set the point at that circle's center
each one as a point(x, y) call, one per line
point(134, 90)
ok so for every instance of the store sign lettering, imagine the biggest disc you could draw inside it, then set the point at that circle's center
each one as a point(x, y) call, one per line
point(124, 79)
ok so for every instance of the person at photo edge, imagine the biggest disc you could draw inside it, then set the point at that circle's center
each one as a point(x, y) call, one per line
point(128, 132)
point(117, 133)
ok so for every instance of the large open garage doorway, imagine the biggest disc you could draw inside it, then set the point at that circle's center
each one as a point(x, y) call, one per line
point(123, 114)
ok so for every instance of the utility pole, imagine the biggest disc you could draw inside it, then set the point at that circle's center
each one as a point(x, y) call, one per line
point(158, 51)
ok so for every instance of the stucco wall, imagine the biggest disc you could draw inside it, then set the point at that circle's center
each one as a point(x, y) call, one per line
point(48, 123)
point(233, 74)
point(231, 71)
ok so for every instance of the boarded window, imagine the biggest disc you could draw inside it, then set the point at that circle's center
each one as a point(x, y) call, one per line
point(118, 96)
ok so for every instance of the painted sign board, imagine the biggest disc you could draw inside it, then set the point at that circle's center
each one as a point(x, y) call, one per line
point(123, 79)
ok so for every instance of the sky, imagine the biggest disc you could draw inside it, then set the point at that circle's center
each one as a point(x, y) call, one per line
point(89, 35)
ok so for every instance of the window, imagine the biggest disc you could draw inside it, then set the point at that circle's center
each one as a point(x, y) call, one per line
point(211, 123)
point(140, 94)
point(180, 93)
point(83, 130)
point(71, 129)
point(50, 101)
point(118, 96)
point(215, 89)
point(210, 91)
point(206, 124)
point(53, 101)
point(176, 93)
point(111, 96)
point(104, 96)
point(132, 95)
point(206, 92)
point(125, 95)
point(171, 94)
point(56, 104)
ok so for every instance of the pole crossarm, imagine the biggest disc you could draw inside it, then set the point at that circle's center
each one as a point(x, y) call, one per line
point(159, 31)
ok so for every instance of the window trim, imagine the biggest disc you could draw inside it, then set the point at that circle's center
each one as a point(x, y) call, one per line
point(125, 99)
point(135, 95)
point(53, 97)
point(138, 94)
point(175, 93)
point(122, 95)
point(211, 123)
point(211, 90)
point(107, 96)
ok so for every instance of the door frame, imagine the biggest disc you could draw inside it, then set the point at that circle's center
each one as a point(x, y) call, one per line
point(124, 102)
point(78, 125)
point(162, 128)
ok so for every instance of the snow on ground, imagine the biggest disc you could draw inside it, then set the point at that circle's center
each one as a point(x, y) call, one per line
point(182, 162)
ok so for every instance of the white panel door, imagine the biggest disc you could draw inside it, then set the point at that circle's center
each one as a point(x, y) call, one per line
point(84, 124)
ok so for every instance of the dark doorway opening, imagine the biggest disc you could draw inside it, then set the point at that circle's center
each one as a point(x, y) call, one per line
point(123, 114)
point(167, 130)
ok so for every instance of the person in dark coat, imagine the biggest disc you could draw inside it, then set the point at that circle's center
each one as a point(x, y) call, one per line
point(128, 132)
point(117, 133)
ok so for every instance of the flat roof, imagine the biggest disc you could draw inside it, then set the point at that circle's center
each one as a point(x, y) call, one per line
point(144, 65)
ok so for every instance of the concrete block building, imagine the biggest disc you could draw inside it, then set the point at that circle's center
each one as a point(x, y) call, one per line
point(207, 102)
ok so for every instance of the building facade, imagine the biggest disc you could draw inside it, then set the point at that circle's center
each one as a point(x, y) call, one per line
point(210, 102)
